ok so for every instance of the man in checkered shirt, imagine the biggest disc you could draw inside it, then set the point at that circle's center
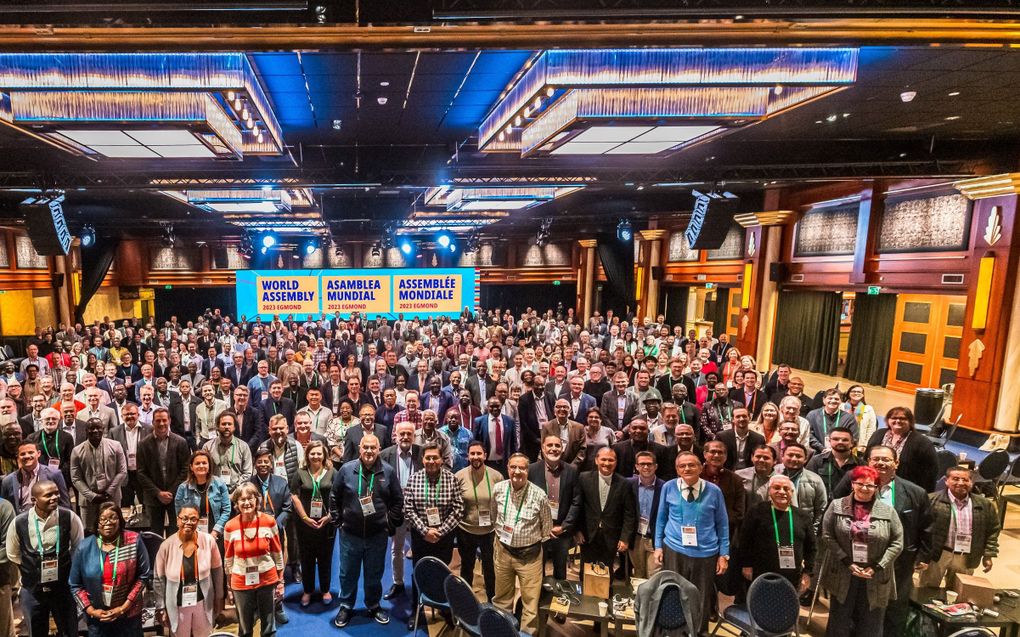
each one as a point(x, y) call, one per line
point(433, 508)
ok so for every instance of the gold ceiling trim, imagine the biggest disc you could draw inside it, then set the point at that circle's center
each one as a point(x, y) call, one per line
point(588, 243)
point(539, 36)
point(766, 218)
point(989, 186)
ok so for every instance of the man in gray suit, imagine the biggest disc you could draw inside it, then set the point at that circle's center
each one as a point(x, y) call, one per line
point(618, 405)
point(130, 435)
point(95, 409)
point(98, 470)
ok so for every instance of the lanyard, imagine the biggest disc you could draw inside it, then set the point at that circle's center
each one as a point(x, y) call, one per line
point(775, 526)
point(683, 417)
point(439, 483)
point(266, 500)
point(487, 486)
point(371, 483)
point(825, 422)
point(38, 534)
point(506, 502)
point(116, 557)
point(56, 442)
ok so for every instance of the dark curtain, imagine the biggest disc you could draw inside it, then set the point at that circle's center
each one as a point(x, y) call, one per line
point(618, 262)
point(720, 315)
point(675, 301)
point(95, 264)
point(871, 332)
point(807, 331)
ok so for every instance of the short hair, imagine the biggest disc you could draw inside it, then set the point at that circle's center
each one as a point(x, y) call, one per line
point(892, 450)
point(160, 409)
point(796, 445)
point(601, 449)
point(832, 391)
point(770, 449)
point(956, 468)
point(518, 454)
point(245, 488)
point(645, 454)
point(904, 411)
point(841, 429)
point(109, 505)
point(476, 443)
point(863, 471)
point(428, 446)
point(262, 451)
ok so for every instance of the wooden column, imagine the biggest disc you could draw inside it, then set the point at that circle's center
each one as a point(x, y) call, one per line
point(585, 279)
point(651, 264)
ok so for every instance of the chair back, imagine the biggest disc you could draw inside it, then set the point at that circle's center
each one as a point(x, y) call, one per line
point(945, 459)
point(670, 614)
point(463, 603)
point(994, 465)
point(947, 433)
point(152, 542)
point(495, 623)
point(429, 576)
point(773, 604)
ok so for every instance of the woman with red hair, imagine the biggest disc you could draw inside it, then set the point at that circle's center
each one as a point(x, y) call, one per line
point(863, 536)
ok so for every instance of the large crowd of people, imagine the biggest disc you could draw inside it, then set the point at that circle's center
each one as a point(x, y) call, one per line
point(259, 448)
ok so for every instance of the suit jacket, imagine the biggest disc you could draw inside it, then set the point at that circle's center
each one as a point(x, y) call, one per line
point(573, 451)
point(729, 438)
point(10, 488)
point(757, 400)
point(445, 400)
point(119, 434)
point(389, 456)
point(239, 376)
point(568, 498)
point(252, 430)
point(635, 482)
point(914, 509)
point(327, 393)
point(617, 521)
point(918, 462)
point(626, 457)
point(610, 409)
point(352, 440)
point(27, 425)
point(530, 426)
point(176, 408)
point(106, 414)
point(476, 396)
point(584, 403)
point(510, 437)
point(267, 410)
point(150, 475)
point(984, 528)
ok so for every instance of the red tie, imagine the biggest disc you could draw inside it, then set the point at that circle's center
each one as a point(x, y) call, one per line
point(499, 436)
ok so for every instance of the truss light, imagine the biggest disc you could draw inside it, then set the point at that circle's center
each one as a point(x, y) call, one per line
point(268, 240)
point(310, 246)
point(624, 230)
point(406, 246)
point(87, 236)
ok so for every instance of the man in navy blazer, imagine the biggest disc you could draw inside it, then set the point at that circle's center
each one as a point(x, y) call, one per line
point(436, 399)
point(646, 487)
point(485, 426)
point(16, 486)
point(580, 402)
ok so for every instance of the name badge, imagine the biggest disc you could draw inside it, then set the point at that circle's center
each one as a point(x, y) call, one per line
point(554, 509)
point(203, 523)
point(962, 543)
point(49, 571)
point(787, 561)
point(225, 472)
point(689, 535)
point(189, 595)
point(251, 576)
point(368, 506)
point(280, 469)
point(54, 463)
point(860, 553)
point(505, 533)
point(132, 462)
point(432, 513)
point(107, 595)
point(642, 526)
point(484, 518)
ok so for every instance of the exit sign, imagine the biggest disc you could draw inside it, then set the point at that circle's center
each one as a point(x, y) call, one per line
point(709, 286)
point(557, 282)
point(168, 287)
point(874, 289)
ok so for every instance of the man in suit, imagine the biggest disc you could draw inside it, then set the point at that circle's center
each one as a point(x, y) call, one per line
point(130, 435)
point(32, 421)
point(647, 488)
point(368, 426)
point(619, 406)
point(609, 510)
point(748, 394)
point(120, 398)
point(558, 386)
point(499, 435)
point(419, 380)
point(248, 424)
point(274, 404)
point(436, 399)
point(627, 450)
point(579, 401)
point(482, 386)
point(740, 441)
point(535, 408)
point(238, 373)
point(172, 402)
point(570, 433)
point(558, 479)
point(16, 487)
point(405, 458)
point(93, 409)
point(163, 466)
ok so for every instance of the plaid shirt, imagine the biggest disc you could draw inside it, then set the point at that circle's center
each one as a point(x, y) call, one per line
point(535, 522)
point(446, 496)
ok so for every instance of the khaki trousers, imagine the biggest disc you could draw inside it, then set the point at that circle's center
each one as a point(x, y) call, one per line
point(948, 565)
point(642, 556)
point(510, 572)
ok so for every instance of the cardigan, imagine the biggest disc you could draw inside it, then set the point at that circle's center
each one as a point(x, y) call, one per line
point(219, 501)
point(167, 577)
point(762, 554)
point(885, 542)
point(91, 567)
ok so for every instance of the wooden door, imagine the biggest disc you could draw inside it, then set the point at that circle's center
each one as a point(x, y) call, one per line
point(926, 340)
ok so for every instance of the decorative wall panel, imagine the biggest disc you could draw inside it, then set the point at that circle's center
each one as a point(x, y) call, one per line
point(557, 254)
point(487, 256)
point(827, 230)
point(342, 260)
point(679, 250)
point(732, 246)
point(28, 258)
point(177, 258)
point(925, 225)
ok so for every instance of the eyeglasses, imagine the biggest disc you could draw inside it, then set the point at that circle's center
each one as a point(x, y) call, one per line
point(187, 520)
point(646, 464)
point(108, 522)
point(866, 487)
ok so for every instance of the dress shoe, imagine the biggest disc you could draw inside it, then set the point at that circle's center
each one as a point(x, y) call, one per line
point(281, 616)
point(379, 615)
point(343, 617)
point(395, 591)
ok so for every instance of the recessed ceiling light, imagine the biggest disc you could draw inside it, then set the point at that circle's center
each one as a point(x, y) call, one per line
point(831, 118)
point(597, 134)
point(846, 115)
point(183, 152)
point(954, 93)
point(952, 118)
point(908, 96)
point(99, 137)
point(164, 137)
point(127, 151)
point(382, 100)
point(384, 83)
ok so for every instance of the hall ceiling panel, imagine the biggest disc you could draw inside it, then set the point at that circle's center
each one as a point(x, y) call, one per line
point(329, 63)
point(396, 63)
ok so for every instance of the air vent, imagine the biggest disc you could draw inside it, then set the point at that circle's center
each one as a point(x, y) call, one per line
point(952, 279)
point(796, 278)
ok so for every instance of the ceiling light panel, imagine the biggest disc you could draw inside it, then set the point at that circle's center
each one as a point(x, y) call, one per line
point(610, 134)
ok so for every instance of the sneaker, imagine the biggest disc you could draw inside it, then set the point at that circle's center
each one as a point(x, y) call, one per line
point(281, 616)
point(379, 615)
point(343, 617)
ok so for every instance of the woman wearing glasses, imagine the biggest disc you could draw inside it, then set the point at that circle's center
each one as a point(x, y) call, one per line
point(107, 577)
point(188, 578)
point(863, 536)
point(863, 413)
point(254, 562)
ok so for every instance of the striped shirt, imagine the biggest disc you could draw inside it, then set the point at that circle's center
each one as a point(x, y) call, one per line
point(258, 546)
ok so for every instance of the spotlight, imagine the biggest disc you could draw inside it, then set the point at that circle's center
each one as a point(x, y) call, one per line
point(908, 96)
point(310, 246)
point(624, 231)
point(87, 236)
point(376, 250)
point(444, 240)
point(543, 233)
point(406, 246)
point(472, 243)
point(268, 241)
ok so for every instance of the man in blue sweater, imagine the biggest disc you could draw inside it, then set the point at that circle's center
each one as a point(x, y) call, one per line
point(692, 530)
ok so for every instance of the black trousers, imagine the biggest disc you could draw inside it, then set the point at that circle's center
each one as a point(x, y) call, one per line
point(899, 607)
point(53, 599)
point(854, 616)
point(130, 490)
point(557, 551)
point(470, 546)
point(158, 514)
point(316, 550)
point(441, 550)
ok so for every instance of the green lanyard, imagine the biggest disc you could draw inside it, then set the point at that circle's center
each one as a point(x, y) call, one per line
point(775, 526)
point(116, 557)
point(38, 534)
point(892, 493)
point(683, 418)
point(487, 486)
point(371, 483)
point(56, 442)
point(315, 483)
point(439, 483)
point(825, 423)
point(506, 502)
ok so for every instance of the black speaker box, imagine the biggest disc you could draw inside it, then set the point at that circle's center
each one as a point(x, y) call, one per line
point(778, 272)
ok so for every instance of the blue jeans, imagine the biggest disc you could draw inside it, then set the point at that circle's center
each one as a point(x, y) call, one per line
point(356, 551)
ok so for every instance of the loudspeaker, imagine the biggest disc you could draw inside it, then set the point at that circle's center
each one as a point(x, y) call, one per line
point(657, 272)
point(707, 229)
point(395, 12)
point(58, 280)
point(47, 228)
point(778, 272)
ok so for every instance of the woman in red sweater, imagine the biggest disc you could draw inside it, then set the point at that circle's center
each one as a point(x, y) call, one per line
point(254, 563)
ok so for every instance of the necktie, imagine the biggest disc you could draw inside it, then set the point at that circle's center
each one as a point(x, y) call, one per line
point(499, 436)
point(690, 494)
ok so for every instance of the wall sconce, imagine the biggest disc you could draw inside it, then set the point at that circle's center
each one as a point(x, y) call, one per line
point(983, 292)
point(745, 293)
